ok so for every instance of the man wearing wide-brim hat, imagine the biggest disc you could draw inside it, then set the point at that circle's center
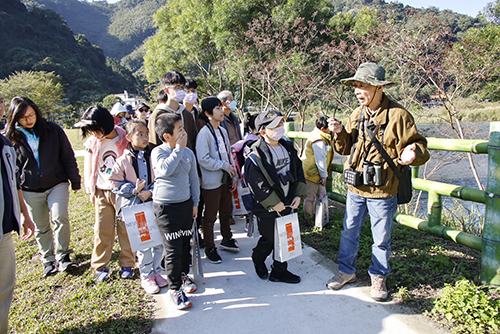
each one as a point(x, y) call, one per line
point(373, 192)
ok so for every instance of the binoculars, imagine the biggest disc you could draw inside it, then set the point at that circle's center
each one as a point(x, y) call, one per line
point(285, 178)
point(370, 176)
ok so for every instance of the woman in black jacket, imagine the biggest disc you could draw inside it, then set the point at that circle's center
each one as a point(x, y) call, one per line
point(46, 162)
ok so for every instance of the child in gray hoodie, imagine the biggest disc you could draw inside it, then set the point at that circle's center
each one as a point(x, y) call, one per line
point(217, 178)
point(175, 203)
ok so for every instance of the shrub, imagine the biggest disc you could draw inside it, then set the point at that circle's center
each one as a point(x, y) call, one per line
point(468, 308)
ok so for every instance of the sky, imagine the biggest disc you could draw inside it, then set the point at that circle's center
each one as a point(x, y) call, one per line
point(469, 7)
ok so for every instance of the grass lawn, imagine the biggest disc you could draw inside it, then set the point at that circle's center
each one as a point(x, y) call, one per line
point(75, 303)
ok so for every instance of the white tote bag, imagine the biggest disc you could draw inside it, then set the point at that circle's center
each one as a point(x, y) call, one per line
point(322, 217)
point(238, 205)
point(287, 244)
point(141, 227)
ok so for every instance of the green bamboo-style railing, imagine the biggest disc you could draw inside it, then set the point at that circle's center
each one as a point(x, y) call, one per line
point(489, 243)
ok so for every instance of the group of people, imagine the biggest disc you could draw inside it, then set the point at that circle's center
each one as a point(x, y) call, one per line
point(180, 159)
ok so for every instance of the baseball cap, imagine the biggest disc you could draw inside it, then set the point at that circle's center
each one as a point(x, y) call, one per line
point(268, 119)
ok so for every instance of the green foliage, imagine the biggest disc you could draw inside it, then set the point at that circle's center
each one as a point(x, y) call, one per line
point(117, 28)
point(45, 89)
point(110, 100)
point(470, 309)
point(38, 40)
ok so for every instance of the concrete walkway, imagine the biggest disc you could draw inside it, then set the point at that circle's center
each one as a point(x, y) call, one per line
point(232, 299)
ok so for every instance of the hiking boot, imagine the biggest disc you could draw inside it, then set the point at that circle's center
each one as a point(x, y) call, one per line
point(127, 272)
point(188, 286)
point(229, 245)
point(261, 270)
point(102, 275)
point(213, 256)
point(339, 280)
point(65, 264)
point(149, 285)
point(179, 299)
point(379, 289)
point(49, 269)
point(160, 281)
point(284, 277)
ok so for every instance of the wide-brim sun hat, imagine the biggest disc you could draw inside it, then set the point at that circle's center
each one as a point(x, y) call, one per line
point(369, 73)
point(268, 119)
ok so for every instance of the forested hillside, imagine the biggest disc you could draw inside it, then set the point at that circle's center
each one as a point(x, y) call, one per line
point(39, 40)
point(117, 28)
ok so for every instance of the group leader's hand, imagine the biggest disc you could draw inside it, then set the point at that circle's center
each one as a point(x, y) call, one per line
point(408, 155)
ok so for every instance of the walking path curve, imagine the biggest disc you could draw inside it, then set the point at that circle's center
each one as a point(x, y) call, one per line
point(231, 298)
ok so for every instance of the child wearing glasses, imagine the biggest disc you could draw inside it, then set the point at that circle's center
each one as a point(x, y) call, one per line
point(173, 84)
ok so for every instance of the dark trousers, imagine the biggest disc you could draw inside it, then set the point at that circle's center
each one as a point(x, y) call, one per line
point(174, 223)
point(217, 200)
point(265, 245)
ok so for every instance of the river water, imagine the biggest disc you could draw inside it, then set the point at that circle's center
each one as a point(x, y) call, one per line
point(451, 167)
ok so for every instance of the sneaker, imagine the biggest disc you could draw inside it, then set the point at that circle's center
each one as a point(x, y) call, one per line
point(149, 285)
point(379, 289)
point(261, 270)
point(213, 256)
point(188, 286)
point(179, 299)
point(284, 277)
point(229, 245)
point(339, 280)
point(102, 275)
point(127, 272)
point(65, 264)
point(49, 269)
point(160, 281)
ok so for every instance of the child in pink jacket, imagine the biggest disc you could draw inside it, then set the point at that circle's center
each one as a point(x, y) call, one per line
point(132, 180)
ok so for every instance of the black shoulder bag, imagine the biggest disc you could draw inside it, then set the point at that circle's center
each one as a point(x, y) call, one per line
point(405, 189)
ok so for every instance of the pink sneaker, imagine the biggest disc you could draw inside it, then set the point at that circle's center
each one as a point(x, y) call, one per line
point(149, 285)
point(160, 280)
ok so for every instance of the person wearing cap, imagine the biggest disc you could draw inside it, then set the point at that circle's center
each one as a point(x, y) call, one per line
point(274, 174)
point(142, 111)
point(118, 111)
point(230, 122)
point(394, 127)
point(130, 112)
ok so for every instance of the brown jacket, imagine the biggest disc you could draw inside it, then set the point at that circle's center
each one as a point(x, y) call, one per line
point(399, 131)
point(187, 122)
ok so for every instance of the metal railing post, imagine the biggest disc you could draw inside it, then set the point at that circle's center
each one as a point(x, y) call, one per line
point(490, 260)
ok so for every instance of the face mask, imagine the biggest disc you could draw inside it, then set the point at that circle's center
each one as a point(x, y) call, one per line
point(179, 95)
point(191, 98)
point(277, 133)
point(232, 105)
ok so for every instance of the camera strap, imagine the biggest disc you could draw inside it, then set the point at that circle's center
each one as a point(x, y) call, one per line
point(217, 142)
point(360, 128)
point(382, 151)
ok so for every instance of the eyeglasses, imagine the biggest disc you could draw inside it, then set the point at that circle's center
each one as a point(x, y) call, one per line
point(176, 87)
point(143, 110)
point(28, 117)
